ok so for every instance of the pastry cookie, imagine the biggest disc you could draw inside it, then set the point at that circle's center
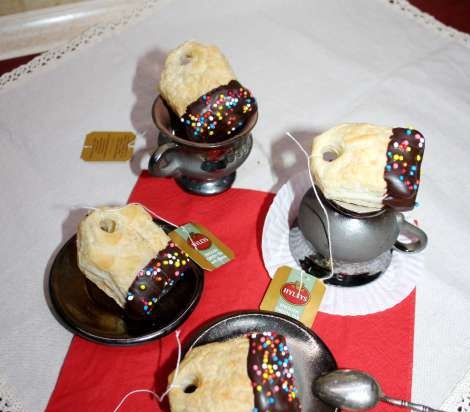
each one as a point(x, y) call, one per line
point(245, 374)
point(128, 257)
point(190, 71)
point(200, 87)
point(360, 164)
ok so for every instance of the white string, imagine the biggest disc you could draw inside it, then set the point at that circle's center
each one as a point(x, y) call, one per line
point(310, 175)
point(150, 211)
point(79, 206)
point(134, 392)
point(115, 209)
point(169, 388)
point(301, 283)
point(167, 221)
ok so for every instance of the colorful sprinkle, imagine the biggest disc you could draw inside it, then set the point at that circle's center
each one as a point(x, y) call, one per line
point(404, 154)
point(271, 373)
point(219, 113)
point(155, 280)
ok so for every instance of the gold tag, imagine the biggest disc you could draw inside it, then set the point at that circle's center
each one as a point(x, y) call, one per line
point(202, 246)
point(108, 146)
point(294, 293)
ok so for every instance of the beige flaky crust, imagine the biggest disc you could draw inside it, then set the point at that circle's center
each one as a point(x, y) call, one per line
point(113, 244)
point(356, 176)
point(219, 374)
point(190, 71)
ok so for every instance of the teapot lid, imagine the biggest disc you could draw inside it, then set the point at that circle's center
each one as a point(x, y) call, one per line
point(355, 210)
point(350, 210)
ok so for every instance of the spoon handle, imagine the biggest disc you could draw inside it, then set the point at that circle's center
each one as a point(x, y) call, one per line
point(413, 406)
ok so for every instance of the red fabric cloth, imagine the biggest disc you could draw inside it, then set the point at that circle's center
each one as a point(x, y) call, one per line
point(96, 377)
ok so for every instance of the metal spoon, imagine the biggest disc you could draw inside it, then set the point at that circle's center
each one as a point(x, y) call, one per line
point(356, 390)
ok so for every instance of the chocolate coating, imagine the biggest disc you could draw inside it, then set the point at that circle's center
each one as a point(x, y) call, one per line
point(155, 280)
point(272, 375)
point(402, 171)
point(219, 114)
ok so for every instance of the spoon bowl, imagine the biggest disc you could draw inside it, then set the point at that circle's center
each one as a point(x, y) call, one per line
point(348, 389)
point(356, 391)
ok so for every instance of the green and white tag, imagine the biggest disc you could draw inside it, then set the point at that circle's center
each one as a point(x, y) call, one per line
point(202, 246)
point(294, 293)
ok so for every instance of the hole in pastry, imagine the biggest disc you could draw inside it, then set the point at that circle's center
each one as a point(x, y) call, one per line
point(186, 59)
point(190, 388)
point(331, 154)
point(108, 225)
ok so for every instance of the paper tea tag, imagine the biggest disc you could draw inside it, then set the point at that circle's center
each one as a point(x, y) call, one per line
point(294, 293)
point(202, 246)
point(108, 146)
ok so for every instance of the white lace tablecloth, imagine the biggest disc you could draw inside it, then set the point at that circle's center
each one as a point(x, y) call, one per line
point(311, 64)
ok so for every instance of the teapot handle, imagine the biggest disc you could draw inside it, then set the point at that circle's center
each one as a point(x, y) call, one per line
point(161, 164)
point(418, 238)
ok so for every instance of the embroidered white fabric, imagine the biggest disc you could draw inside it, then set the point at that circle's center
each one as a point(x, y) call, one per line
point(97, 33)
point(9, 401)
point(459, 399)
point(87, 38)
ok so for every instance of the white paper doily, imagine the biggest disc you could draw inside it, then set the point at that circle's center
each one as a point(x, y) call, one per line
point(9, 401)
point(389, 289)
point(459, 399)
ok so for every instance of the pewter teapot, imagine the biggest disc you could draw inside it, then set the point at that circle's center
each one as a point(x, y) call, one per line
point(356, 237)
point(200, 168)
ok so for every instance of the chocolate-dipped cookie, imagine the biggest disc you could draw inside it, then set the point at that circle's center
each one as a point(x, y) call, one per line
point(271, 373)
point(219, 114)
point(125, 254)
point(402, 172)
point(201, 89)
point(250, 373)
point(155, 280)
point(366, 168)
